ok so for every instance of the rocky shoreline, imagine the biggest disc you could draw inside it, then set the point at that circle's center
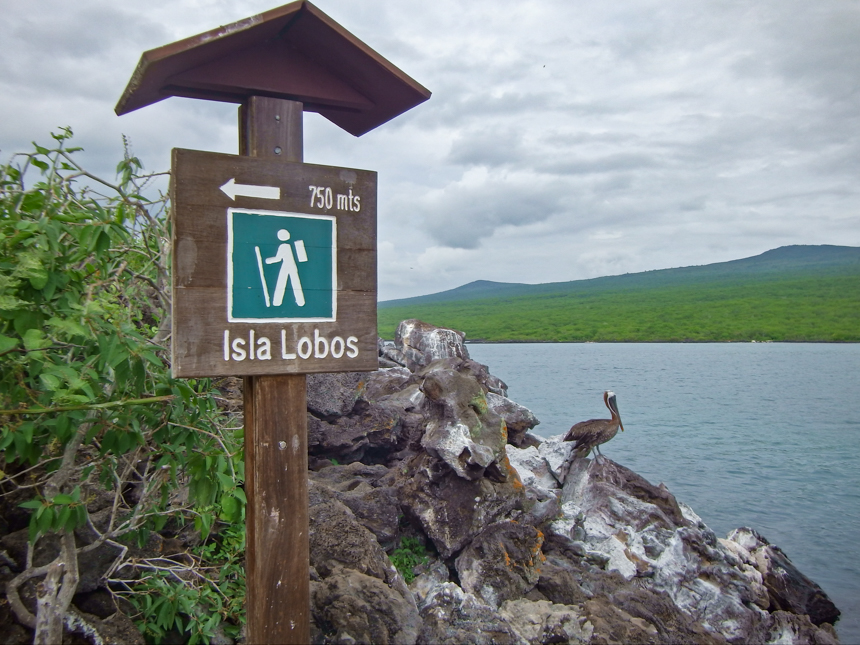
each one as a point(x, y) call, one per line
point(430, 448)
point(436, 516)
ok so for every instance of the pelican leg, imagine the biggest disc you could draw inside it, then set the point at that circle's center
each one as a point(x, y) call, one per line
point(599, 454)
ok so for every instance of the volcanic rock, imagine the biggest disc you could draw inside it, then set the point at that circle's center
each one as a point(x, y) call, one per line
point(462, 431)
point(502, 562)
point(518, 419)
point(451, 615)
point(788, 589)
point(523, 544)
point(450, 509)
point(538, 622)
point(421, 343)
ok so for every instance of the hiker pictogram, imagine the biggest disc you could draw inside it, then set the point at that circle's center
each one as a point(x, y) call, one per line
point(289, 270)
point(281, 266)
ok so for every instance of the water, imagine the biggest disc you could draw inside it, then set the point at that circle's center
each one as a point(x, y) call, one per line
point(765, 435)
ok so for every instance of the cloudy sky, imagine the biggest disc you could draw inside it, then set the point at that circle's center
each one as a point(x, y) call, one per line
point(564, 140)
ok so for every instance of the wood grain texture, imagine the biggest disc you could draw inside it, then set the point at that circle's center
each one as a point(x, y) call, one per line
point(276, 447)
point(276, 483)
point(271, 128)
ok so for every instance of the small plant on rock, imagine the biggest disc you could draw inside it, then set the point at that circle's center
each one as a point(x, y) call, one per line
point(410, 554)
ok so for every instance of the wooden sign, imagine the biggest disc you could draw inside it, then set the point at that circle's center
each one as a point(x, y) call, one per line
point(274, 261)
point(274, 267)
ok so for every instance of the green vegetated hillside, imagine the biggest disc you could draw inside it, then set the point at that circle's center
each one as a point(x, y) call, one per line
point(794, 293)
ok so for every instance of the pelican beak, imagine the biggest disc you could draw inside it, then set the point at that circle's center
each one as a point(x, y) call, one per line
point(621, 425)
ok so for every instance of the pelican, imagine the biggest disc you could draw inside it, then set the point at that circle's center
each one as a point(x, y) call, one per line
point(590, 434)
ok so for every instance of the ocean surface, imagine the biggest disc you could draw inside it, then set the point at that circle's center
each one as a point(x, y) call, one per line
point(765, 435)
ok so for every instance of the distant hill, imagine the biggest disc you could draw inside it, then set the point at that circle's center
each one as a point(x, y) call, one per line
point(790, 293)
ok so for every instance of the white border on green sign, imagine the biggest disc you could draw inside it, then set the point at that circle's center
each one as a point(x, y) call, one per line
point(255, 211)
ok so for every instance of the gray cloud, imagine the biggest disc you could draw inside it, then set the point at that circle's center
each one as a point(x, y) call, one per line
point(563, 140)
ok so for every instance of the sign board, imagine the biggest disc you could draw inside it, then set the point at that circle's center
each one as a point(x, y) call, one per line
point(274, 266)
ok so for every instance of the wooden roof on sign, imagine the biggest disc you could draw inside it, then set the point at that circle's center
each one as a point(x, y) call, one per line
point(293, 52)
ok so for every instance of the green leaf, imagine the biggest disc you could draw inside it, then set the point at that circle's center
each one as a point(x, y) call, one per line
point(7, 342)
point(80, 515)
point(230, 509)
point(67, 327)
point(62, 498)
point(46, 520)
point(63, 517)
point(32, 503)
point(102, 242)
point(33, 530)
point(25, 430)
point(227, 482)
point(35, 339)
point(50, 381)
point(30, 266)
point(10, 303)
point(26, 320)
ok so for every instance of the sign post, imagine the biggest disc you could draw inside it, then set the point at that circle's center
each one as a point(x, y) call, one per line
point(276, 438)
point(274, 260)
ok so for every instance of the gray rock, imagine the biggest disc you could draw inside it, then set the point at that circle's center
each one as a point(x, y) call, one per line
point(421, 343)
point(502, 562)
point(531, 440)
point(518, 419)
point(638, 530)
point(375, 506)
point(652, 610)
point(370, 432)
point(389, 355)
point(385, 382)
point(92, 565)
point(619, 559)
point(786, 627)
point(350, 477)
point(360, 595)
point(449, 509)
point(462, 430)
point(489, 382)
point(788, 589)
point(611, 624)
point(334, 394)
point(350, 607)
point(429, 577)
point(558, 582)
point(545, 622)
point(557, 453)
point(532, 467)
point(117, 629)
point(451, 615)
point(540, 506)
point(337, 539)
point(409, 399)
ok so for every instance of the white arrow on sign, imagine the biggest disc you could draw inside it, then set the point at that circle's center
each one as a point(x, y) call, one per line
point(233, 190)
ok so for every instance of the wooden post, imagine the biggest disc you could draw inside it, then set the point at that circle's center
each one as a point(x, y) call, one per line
point(276, 441)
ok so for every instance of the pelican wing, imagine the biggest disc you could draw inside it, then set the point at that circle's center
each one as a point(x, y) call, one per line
point(583, 429)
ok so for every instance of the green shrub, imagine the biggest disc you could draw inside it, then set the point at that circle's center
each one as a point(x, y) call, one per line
point(86, 396)
point(407, 556)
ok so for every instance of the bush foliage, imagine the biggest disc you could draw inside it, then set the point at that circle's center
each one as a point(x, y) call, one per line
point(87, 402)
